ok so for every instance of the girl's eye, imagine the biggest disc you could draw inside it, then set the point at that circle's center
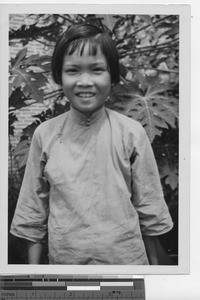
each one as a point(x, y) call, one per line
point(71, 71)
point(99, 70)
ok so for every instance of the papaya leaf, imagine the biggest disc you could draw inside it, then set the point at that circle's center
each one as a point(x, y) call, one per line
point(32, 59)
point(154, 109)
point(174, 30)
point(30, 82)
point(29, 130)
point(12, 120)
point(108, 20)
point(168, 166)
point(28, 33)
point(24, 76)
point(17, 99)
point(21, 152)
point(172, 178)
point(146, 18)
point(11, 89)
point(42, 62)
point(166, 153)
point(19, 57)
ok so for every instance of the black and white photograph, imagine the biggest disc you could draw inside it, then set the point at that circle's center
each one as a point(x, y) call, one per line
point(96, 113)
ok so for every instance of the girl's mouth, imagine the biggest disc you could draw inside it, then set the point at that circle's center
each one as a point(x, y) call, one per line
point(85, 95)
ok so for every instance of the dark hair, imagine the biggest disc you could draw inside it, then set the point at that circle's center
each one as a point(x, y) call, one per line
point(77, 36)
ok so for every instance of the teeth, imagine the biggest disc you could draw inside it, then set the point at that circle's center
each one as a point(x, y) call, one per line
point(85, 95)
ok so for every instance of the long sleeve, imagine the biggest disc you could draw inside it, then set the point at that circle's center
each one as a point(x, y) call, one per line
point(147, 194)
point(31, 214)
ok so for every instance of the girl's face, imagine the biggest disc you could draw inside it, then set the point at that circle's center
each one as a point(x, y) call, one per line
point(86, 80)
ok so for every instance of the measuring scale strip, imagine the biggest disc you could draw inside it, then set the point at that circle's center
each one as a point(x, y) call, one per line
point(76, 289)
point(50, 294)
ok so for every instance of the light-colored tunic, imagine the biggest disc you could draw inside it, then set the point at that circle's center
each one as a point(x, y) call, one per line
point(93, 184)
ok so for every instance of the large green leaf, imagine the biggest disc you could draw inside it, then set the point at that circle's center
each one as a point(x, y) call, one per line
point(43, 63)
point(146, 18)
point(166, 153)
point(19, 58)
point(12, 120)
point(32, 83)
point(50, 31)
point(108, 20)
point(171, 175)
point(27, 73)
point(17, 99)
point(151, 106)
point(21, 152)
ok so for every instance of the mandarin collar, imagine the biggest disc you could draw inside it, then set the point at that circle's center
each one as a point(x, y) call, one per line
point(84, 120)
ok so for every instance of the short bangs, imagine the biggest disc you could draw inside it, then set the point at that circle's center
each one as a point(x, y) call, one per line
point(79, 46)
point(75, 39)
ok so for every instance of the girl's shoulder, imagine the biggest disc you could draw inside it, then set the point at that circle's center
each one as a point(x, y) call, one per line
point(52, 125)
point(124, 122)
point(128, 130)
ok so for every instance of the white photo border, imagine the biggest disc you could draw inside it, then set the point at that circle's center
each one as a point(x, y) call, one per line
point(184, 137)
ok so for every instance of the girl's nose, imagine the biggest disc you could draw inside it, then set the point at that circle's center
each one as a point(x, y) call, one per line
point(84, 80)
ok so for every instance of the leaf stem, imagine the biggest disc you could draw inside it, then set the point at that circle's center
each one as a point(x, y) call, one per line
point(144, 27)
point(158, 48)
point(52, 94)
point(158, 70)
point(131, 53)
point(158, 45)
point(45, 44)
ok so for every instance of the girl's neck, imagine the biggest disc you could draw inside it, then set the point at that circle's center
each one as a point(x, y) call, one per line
point(86, 114)
point(86, 118)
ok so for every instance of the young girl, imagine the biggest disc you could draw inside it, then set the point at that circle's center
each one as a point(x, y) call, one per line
point(91, 179)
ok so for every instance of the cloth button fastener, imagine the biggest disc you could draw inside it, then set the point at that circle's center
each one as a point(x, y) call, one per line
point(87, 123)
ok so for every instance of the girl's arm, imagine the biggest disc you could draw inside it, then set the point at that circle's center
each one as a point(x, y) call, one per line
point(34, 252)
point(32, 210)
point(151, 249)
point(147, 196)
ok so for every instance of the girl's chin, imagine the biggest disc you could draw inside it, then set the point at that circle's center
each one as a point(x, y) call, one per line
point(87, 110)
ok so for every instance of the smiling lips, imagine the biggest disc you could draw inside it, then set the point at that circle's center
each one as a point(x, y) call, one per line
point(85, 95)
